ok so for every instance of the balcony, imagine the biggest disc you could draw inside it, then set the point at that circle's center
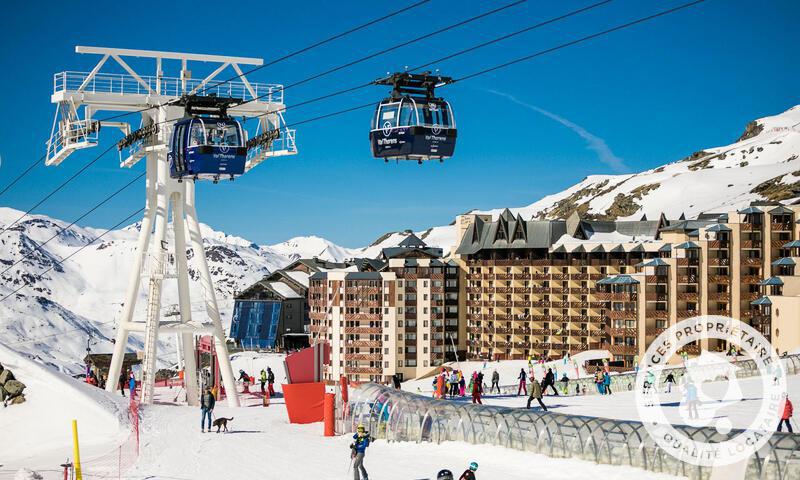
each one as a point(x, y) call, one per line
point(750, 227)
point(363, 343)
point(719, 262)
point(781, 227)
point(364, 370)
point(362, 316)
point(753, 261)
point(659, 314)
point(719, 296)
point(364, 357)
point(654, 331)
point(751, 279)
point(656, 278)
point(688, 313)
point(363, 330)
point(685, 279)
point(622, 314)
point(751, 244)
point(655, 297)
point(718, 244)
point(688, 296)
point(720, 279)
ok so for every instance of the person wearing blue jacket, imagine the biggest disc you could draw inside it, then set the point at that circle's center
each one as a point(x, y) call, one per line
point(359, 448)
point(132, 385)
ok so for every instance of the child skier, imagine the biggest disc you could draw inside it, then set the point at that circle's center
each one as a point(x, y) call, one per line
point(358, 449)
point(469, 474)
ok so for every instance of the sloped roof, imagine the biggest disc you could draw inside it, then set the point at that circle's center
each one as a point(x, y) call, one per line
point(412, 241)
point(762, 301)
point(718, 227)
point(771, 281)
point(687, 245)
point(783, 262)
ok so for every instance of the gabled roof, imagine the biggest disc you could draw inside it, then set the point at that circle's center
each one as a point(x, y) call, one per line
point(771, 281)
point(412, 241)
point(783, 262)
point(718, 227)
point(687, 245)
point(781, 211)
point(792, 244)
point(656, 262)
point(762, 301)
point(750, 211)
point(622, 280)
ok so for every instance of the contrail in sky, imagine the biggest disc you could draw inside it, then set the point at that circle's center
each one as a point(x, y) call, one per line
point(604, 154)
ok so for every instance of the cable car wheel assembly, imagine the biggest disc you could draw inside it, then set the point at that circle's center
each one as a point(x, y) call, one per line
point(413, 123)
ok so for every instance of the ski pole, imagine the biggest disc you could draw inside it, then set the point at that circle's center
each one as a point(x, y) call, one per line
point(351, 465)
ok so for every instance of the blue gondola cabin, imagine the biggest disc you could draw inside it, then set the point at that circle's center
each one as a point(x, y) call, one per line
point(207, 148)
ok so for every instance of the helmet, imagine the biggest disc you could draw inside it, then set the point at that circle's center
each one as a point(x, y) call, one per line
point(473, 466)
point(360, 427)
point(444, 475)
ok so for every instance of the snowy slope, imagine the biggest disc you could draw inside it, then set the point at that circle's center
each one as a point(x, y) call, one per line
point(38, 433)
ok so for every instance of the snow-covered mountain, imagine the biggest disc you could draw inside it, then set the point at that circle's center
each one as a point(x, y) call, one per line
point(763, 164)
point(54, 316)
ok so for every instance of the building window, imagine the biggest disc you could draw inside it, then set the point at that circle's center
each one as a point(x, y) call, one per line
point(424, 283)
point(399, 349)
point(399, 363)
point(411, 362)
point(385, 364)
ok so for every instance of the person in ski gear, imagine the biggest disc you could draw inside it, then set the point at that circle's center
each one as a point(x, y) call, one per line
point(476, 389)
point(691, 400)
point(565, 383)
point(444, 475)
point(598, 380)
point(243, 377)
point(263, 380)
point(549, 381)
point(462, 384)
point(358, 449)
point(495, 382)
point(469, 474)
point(440, 386)
point(522, 377)
point(480, 381)
point(650, 380)
point(207, 402)
point(132, 385)
point(454, 384)
point(786, 414)
point(536, 393)
point(270, 382)
point(669, 381)
point(122, 382)
point(607, 383)
point(396, 381)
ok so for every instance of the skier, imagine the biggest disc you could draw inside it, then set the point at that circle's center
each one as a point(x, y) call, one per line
point(669, 381)
point(243, 376)
point(132, 385)
point(469, 474)
point(480, 381)
point(462, 384)
point(270, 382)
point(495, 382)
point(692, 400)
point(263, 380)
point(522, 387)
point(358, 449)
point(207, 402)
point(549, 381)
point(786, 415)
point(454, 384)
point(476, 389)
point(565, 383)
point(122, 383)
point(536, 393)
point(598, 381)
point(607, 383)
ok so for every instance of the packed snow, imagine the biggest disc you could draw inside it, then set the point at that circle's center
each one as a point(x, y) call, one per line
point(38, 432)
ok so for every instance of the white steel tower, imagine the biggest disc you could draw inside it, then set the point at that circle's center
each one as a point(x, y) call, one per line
point(79, 96)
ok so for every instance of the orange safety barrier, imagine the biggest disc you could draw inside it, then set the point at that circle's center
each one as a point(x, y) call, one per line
point(329, 414)
point(304, 401)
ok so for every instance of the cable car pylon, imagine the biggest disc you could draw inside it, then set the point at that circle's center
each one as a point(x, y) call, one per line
point(173, 165)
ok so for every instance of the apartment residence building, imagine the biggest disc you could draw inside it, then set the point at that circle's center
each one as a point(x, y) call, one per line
point(547, 288)
point(397, 314)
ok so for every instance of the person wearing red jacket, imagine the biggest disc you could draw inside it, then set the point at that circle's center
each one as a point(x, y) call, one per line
point(788, 410)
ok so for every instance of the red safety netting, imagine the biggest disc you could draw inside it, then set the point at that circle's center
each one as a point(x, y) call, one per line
point(114, 464)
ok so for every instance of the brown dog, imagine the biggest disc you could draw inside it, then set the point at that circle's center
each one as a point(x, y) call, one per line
point(222, 423)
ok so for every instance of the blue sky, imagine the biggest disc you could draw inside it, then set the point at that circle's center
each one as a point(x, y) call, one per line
point(626, 102)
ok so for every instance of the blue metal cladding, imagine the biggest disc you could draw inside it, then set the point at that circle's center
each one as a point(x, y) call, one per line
point(255, 323)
